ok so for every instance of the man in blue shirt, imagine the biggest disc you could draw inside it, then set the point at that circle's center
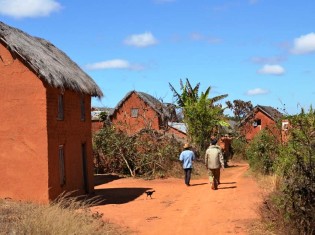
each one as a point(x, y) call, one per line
point(187, 157)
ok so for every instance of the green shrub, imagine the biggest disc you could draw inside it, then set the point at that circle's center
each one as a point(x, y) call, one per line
point(239, 148)
point(297, 166)
point(262, 151)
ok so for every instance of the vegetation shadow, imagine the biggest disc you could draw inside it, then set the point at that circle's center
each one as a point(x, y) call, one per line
point(105, 178)
point(117, 195)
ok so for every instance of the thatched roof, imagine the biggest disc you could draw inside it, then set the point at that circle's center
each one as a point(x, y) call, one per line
point(48, 62)
point(154, 103)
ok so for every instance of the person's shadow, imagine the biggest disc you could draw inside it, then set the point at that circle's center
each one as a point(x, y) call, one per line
point(228, 187)
point(198, 184)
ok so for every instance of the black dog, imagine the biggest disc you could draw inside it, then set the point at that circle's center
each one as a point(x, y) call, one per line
point(149, 193)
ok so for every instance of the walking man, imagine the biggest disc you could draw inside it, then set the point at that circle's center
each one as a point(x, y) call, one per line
point(214, 162)
point(187, 157)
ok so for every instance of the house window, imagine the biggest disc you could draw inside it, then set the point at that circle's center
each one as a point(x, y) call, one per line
point(257, 122)
point(134, 112)
point(285, 125)
point(82, 105)
point(60, 107)
point(62, 175)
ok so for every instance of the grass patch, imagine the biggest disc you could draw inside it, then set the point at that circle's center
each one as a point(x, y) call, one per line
point(64, 216)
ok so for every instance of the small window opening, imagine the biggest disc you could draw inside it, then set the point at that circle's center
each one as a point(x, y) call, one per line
point(134, 112)
point(60, 107)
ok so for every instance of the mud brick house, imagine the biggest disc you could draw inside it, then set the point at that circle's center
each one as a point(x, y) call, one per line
point(139, 110)
point(97, 120)
point(45, 120)
point(261, 117)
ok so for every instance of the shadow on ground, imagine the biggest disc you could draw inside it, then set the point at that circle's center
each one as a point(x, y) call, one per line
point(117, 195)
point(106, 178)
point(198, 184)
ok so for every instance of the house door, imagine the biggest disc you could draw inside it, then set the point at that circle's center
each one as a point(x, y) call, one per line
point(84, 165)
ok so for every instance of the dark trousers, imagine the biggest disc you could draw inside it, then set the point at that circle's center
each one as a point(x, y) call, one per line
point(214, 177)
point(187, 175)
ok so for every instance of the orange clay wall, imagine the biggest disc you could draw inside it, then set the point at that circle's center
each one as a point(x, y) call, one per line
point(177, 133)
point(23, 132)
point(96, 126)
point(71, 132)
point(252, 131)
point(146, 118)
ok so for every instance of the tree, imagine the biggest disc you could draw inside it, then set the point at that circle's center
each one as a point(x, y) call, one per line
point(240, 109)
point(200, 113)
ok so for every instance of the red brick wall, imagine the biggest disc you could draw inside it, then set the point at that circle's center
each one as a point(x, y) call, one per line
point(177, 133)
point(96, 126)
point(147, 117)
point(252, 131)
point(30, 135)
point(23, 132)
point(71, 132)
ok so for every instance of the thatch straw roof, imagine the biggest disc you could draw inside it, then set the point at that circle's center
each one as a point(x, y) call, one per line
point(48, 62)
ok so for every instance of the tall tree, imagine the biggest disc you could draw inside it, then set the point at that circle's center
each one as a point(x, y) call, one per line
point(201, 114)
point(240, 109)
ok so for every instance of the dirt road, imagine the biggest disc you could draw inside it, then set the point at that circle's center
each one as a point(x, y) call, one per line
point(178, 209)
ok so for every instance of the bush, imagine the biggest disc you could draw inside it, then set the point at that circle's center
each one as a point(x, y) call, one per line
point(262, 152)
point(147, 154)
point(297, 198)
point(239, 148)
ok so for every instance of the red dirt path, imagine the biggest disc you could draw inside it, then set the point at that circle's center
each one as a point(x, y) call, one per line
point(178, 209)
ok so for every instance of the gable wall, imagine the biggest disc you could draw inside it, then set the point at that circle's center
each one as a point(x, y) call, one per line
point(23, 132)
point(252, 131)
point(147, 116)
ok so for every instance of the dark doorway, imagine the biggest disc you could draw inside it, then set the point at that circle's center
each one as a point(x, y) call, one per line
point(84, 165)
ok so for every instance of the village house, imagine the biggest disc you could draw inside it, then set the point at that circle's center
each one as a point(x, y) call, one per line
point(45, 120)
point(262, 117)
point(139, 110)
point(98, 120)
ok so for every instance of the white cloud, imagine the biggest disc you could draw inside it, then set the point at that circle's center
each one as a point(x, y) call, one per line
point(304, 44)
point(114, 64)
point(257, 91)
point(28, 8)
point(141, 40)
point(272, 69)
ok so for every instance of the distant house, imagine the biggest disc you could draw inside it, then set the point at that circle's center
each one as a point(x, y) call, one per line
point(45, 120)
point(97, 120)
point(261, 117)
point(139, 110)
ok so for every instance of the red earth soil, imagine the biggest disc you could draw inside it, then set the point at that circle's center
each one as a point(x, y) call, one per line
point(177, 209)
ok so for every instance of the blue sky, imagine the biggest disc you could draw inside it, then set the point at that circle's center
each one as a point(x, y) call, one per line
point(261, 51)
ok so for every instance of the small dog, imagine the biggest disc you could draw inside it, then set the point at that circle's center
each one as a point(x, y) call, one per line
point(149, 193)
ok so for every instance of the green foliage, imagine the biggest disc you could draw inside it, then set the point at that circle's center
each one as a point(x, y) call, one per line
point(297, 166)
point(200, 113)
point(148, 154)
point(262, 152)
point(239, 148)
